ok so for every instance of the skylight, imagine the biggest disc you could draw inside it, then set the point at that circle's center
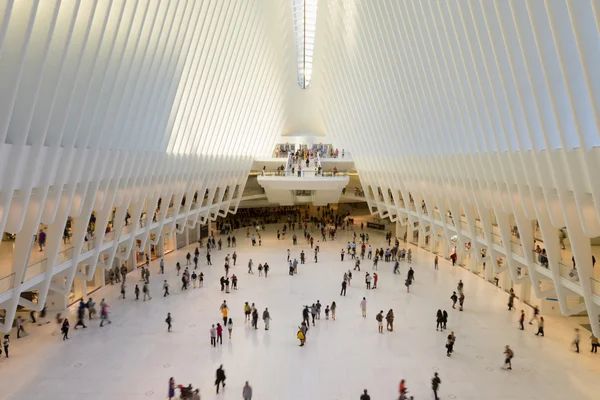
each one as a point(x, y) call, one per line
point(305, 22)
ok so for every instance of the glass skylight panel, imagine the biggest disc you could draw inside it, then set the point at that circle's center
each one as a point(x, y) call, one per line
point(305, 22)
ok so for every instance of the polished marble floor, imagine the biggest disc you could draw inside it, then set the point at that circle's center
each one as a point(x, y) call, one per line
point(134, 357)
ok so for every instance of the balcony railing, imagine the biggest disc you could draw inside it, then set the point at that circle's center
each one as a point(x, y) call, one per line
point(595, 286)
point(496, 239)
point(568, 273)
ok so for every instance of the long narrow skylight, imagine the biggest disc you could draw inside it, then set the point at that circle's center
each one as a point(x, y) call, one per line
point(305, 23)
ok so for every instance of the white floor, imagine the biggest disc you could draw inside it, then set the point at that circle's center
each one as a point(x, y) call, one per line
point(134, 357)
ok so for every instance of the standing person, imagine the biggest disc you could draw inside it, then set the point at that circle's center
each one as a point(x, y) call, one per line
point(168, 321)
point(435, 266)
point(194, 279)
point(390, 320)
point(208, 262)
point(220, 378)
point(123, 287)
point(213, 336)
point(247, 311)
point(19, 323)
point(318, 305)
point(266, 267)
point(313, 313)
point(188, 258)
point(435, 385)
point(91, 306)
point(247, 391)
point(375, 279)
point(201, 280)
point(64, 329)
point(219, 333)
point(171, 388)
point(439, 317)
point(162, 266)
point(594, 342)
point(250, 267)
point(522, 320)
point(508, 356)
point(576, 340)
point(229, 327)
point(461, 301)
point(379, 318)
point(266, 318)
point(136, 291)
point(511, 299)
point(444, 319)
point(177, 268)
point(224, 312)
point(449, 345)
point(368, 280)
point(540, 327)
point(301, 334)
point(333, 308)
point(460, 286)
point(363, 307)
point(327, 311)
point(165, 288)
point(255, 318)
point(342, 255)
point(343, 292)
point(365, 395)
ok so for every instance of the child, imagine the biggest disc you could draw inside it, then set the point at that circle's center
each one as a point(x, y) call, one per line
point(327, 312)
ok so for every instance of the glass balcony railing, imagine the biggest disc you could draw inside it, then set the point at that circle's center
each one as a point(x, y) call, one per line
point(568, 272)
point(35, 270)
point(7, 283)
point(463, 225)
point(436, 215)
point(496, 239)
point(595, 286)
point(479, 232)
point(517, 248)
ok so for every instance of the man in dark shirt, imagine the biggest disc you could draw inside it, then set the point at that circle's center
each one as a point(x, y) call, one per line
point(365, 396)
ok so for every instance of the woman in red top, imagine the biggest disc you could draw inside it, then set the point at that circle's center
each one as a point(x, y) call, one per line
point(402, 388)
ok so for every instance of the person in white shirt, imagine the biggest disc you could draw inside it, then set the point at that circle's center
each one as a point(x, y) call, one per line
point(363, 307)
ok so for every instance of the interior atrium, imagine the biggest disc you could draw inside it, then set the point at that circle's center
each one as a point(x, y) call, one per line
point(134, 131)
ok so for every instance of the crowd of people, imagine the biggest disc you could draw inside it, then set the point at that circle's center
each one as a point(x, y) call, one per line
point(290, 220)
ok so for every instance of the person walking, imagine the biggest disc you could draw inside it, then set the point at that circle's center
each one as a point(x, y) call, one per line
point(435, 264)
point(305, 315)
point(522, 320)
point(104, 313)
point(363, 307)
point(536, 313)
point(162, 266)
point(508, 356)
point(511, 299)
point(461, 301)
point(379, 318)
point(318, 306)
point(333, 308)
point(250, 263)
point(171, 388)
point(540, 327)
point(19, 324)
point(220, 374)
point(219, 333)
point(368, 280)
point(64, 329)
point(146, 291)
point(123, 288)
point(213, 336)
point(224, 313)
point(576, 340)
point(343, 291)
point(136, 291)
point(454, 299)
point(168, 321)
point(247, 391)
point(266, 318)
point(165, 288)
point(449, 345)
point(435, 385)
point(229, 327)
